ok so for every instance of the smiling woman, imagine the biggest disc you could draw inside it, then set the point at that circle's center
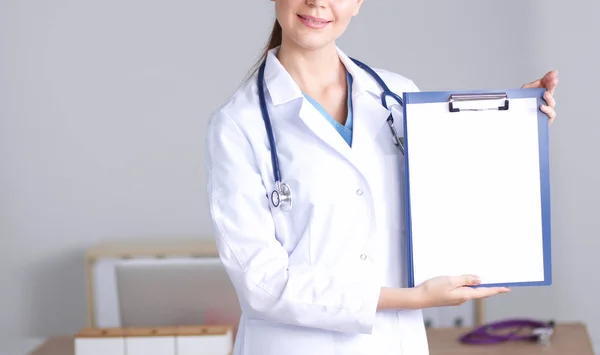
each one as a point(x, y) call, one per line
point(299, 20)
point(313, 22)
point(327, 276)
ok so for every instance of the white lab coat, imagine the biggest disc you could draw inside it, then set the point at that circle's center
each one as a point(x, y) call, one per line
point(308, 280)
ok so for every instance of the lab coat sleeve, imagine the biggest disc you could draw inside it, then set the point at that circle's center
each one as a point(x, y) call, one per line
point(268, 288)
point(415, 88)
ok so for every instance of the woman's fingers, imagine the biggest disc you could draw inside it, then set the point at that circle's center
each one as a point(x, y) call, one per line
point(549, 99)
point(549, 111)
point(465, 294)
point(465, 280)
point(455, 290)
point(483, 292)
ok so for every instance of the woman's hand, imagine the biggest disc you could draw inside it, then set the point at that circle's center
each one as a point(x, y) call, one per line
point(548, 82)
point(454, 291)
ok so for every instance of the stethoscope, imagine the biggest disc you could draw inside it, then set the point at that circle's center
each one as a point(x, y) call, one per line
point(281, 196)
point(496, 332)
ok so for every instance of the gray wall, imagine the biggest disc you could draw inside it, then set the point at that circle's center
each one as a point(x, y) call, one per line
point(103, 108)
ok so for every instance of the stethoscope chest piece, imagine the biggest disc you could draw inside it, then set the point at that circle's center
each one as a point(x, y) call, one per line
point(282, 196)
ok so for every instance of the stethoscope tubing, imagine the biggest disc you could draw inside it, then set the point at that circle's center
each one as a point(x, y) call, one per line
point(282, 194)
point(266, 118)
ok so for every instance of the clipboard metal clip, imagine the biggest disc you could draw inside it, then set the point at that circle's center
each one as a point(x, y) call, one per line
point(478, 105)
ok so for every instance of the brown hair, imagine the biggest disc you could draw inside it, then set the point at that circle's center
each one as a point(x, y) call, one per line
point(274, 41)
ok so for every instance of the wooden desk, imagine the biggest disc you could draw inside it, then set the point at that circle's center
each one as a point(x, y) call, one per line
point(568, 339)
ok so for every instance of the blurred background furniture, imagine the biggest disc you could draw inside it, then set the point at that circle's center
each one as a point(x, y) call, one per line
point(151, 283)
point(567, 339)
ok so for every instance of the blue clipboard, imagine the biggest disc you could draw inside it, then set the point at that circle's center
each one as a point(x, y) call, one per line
point(458, 103)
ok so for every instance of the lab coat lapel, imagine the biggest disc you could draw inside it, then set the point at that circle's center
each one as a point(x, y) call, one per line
point(284, 91)
point(369, 118)
point(323, 129)
point(369, 115)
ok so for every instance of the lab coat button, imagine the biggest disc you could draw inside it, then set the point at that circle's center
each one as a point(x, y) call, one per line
point(363, 257)
point(359, 192)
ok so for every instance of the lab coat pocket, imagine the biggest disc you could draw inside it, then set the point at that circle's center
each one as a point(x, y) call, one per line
point(268, 338)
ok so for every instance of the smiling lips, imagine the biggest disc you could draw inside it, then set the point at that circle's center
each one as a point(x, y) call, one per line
point(313, 22)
